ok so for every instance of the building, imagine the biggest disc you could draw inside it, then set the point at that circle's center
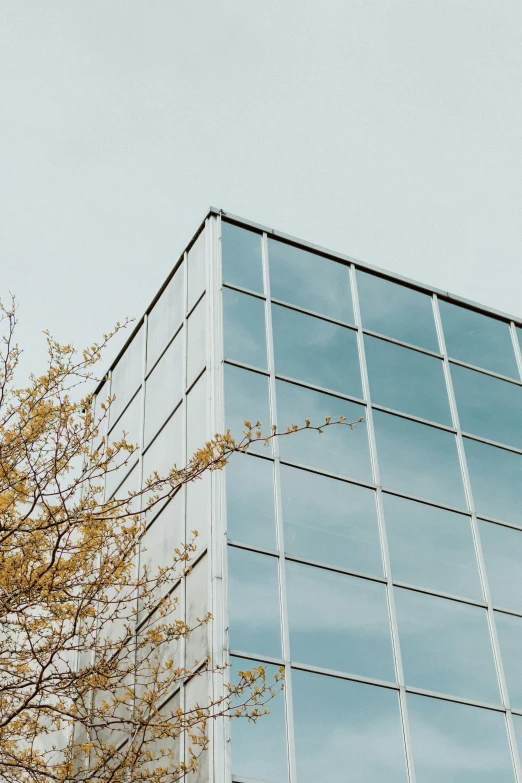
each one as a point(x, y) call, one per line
point(380, 566)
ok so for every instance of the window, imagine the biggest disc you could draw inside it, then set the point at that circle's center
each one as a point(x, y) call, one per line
point(431, 547)
point(166, 450)
point(478, 339)
point(196, 340)
point(496, 480)
point(196, 270)
point(330, 521)
point(509, 629)
point(126, 376)
point(338, 622)
point(502, 549)
point(197, 416)
point(250, 501)
point(446, 646)
point(166, 534)
point(346, 731)
point(310, 281)
point(244, 328)
point(407, 380)
point(456, 743)
point(488, 406)
point(418, 459)
point(241, 253)
point(316, 351)
point(128, 426)
point(164, 387)
point(253, 602)
point(197, 644)
point(246, 399)
point(259, 749)
point(396, 311)
point(339, 449)
point(165, 318)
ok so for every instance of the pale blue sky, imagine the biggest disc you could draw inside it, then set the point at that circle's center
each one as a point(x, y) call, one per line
point(389, 130)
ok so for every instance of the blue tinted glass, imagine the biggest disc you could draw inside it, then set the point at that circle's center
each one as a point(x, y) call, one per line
point(396, 311)
point(253, 602)
point(250, 501)
point(418, 459)
point(431, 547)
point(241, 253)
point(259, 749)
point(330, 521)
point(496, 480)
point(446, 646)
point(338, 621)
point(509, 629)
point(488, 406)
point(346, 732)
point(339, 449)
point(407, 380)
point(246, 399)
point(455, 743)
point(310, 281)
point(316, 351)
point(517, 723)
point(478, 339)
point(502, 549)
point(244, 328)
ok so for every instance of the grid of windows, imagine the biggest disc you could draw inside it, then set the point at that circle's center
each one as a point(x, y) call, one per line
point(380, 566)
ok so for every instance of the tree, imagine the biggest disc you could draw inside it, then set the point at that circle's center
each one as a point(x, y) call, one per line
point(80, 689)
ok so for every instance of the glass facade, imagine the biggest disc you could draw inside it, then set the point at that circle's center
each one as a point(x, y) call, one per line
point(380, 565)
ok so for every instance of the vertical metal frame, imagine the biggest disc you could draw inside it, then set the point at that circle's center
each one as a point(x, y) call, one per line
point(382, 532)
point(477, 544)
point(219, 768)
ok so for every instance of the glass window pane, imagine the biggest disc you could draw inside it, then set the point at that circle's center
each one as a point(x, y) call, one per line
point(294, 276)
point(339, 449)
point(407, 380)
point(478, 339)
point(166, 450)
point(253, 600)
point(246, 399)
point(509, 629)
point(418, 459)
point(129, 423)
point(198, 694)
point(502, 549)
point(197, 416)
point(126, 376)
point(316, 351)
point(197, 644)
point(196, 341)
point(456, 743)
point(166, 534)
point(330, 521)
point(196, 270)
point(517, 723)
point(259, 749)
point(431, 547)
point(165, 318)
point(241, 251)
point(346, 731)
point(244, 328)
point(446, 646)
point(164, 387)
point(198, 511)
point(250, 501)
point(396, 311)
point(338, 622)
point(488, 406)
point(496, 480)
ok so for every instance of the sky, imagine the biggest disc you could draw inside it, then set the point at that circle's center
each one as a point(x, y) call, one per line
point(388, 130)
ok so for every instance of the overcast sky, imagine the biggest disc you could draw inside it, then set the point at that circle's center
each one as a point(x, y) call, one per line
point(389, 130)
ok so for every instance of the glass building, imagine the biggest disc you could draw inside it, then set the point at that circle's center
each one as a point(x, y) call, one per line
point(381, 566)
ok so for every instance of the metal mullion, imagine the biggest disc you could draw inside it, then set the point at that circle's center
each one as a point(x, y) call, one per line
point(485, 371)
point(241, 290)
point(495, 443)
point(220, 768)
point(285, 634)
point(478, 548)
point(411, 346)
point(314, 314)
point(320, 389)
point(382, 535)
